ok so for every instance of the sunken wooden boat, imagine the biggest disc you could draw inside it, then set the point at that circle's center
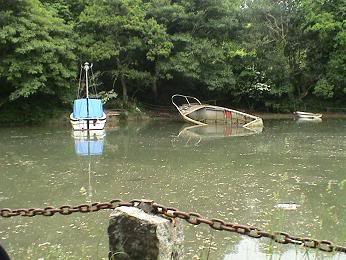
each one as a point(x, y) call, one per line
point(193, 111)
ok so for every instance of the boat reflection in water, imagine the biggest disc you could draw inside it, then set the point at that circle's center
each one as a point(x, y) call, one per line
point(309, 120)
point(199, 132)
point(88, 145)
point(307, 117)
point(89, 142)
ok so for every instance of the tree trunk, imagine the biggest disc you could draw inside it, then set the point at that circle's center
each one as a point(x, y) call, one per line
point(154, 88)
point(123, 84)
point(154, 82)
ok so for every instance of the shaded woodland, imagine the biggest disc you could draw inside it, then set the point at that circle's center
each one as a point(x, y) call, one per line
point(263, 55)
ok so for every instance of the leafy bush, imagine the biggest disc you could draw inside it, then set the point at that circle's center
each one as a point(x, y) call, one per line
point(324, 89)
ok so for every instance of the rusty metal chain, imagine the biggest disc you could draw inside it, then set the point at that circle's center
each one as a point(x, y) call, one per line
point(190, 217)
point(66, 209)
point(251, 231)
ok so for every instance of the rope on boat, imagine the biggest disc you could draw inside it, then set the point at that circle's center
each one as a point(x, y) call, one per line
point(173, 213)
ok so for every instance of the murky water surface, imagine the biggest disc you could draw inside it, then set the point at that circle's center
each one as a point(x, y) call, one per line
point(247, 179)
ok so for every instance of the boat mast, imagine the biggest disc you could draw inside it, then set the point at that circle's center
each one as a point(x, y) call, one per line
point(86, 67)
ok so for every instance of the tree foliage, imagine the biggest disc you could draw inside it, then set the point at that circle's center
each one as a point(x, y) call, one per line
point(324, 22)
point(275, 55)
point(36, 51)
point(119, 33)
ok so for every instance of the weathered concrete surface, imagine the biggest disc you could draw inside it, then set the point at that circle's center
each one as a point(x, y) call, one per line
point(134, 234)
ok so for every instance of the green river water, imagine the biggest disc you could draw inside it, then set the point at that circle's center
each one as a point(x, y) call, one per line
point(216, 173)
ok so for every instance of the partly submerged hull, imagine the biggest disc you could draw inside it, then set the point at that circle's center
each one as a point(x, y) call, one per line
point(203, 114)
point(88, 124)
point(219, 115)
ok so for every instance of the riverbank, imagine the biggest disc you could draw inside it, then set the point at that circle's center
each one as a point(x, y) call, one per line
point(290, 115)
point(263, 115)
point(114, 117)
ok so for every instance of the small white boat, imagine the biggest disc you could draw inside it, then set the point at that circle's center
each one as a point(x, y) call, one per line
point(87, 112)
point(307, 115)
point(193, 111)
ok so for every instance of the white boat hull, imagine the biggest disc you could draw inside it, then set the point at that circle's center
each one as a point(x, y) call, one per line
point(307, 115)
point(88, 124)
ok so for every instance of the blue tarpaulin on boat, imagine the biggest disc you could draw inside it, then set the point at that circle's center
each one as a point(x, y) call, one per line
point(88, 147)
point(87, 108)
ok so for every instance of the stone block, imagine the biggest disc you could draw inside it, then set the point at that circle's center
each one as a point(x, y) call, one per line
point(134, 234)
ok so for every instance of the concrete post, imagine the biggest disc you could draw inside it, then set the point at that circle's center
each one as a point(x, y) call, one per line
point(134, 234)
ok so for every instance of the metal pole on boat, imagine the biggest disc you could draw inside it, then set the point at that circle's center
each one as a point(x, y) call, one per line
point(86, 67)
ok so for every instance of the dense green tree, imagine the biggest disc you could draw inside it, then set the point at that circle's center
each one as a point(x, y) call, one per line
point(267, 35)
point(36, 51)
point(266, 54)
point(297, 49)
point(158, 48)
point(118, 34)
point(204, 37)
point(69, 10)
point(324, 24)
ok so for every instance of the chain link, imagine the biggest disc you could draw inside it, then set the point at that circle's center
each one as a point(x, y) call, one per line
point(190, 217)
point(66, 209)
point(254, 232)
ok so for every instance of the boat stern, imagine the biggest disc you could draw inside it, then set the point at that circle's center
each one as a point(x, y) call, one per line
point(257, 123)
